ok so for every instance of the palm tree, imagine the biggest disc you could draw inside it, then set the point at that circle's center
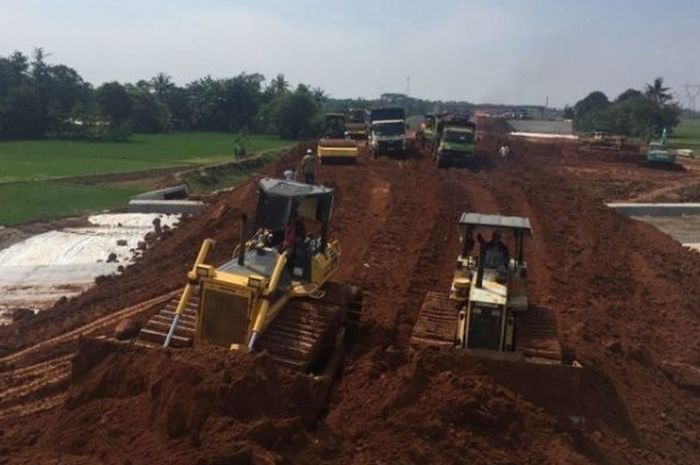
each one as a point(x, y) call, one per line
point(162, 84)
point(279, 84)
point(657, 92)
point(319, 95)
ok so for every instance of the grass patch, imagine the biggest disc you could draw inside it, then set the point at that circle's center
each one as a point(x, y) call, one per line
point(29, 201)
point(687, 136)
point(213, 178)
point(44, 160)
point(30, 186)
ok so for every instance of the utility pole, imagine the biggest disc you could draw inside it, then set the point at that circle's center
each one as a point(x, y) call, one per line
point(691, 92)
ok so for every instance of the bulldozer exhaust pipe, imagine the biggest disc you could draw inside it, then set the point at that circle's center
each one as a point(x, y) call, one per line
point(241, 248)
point(324, 236)
point(480, 269)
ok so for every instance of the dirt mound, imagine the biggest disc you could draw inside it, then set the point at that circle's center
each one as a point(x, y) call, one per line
point(187, 406)
point(439, 403)
point(216, 407)
point(492, 125)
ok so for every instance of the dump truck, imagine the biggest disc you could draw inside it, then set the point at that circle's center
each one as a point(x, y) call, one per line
point(486, 311)
point(333, 147)
point(356, 124)
point(387, 131)
point(276, 293)
point(454, 141)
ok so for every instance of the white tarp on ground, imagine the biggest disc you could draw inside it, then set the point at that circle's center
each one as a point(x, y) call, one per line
point(36, 272)
point(538, 135)
point(693, 246)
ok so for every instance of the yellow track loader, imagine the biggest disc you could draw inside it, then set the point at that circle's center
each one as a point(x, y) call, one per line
point(486, 311)
point(275, 294)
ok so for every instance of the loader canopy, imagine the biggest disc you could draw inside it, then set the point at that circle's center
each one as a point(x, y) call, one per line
point(520, 226)
point(493, 221)
point(279, 201)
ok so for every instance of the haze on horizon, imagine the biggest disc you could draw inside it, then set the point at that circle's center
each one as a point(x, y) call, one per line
point(505, 51)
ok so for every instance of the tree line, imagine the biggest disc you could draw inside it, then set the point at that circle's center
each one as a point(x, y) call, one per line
point(639, 113)
point(412, 105)
point(42, 100)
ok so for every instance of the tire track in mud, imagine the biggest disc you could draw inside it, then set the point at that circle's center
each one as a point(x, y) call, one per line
point(22, 410)
point(407, 187)
point(31, 389)
point(19, 383)
point(435, 265)
point(97, 325)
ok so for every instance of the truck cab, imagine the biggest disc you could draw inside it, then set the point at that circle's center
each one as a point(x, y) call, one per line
point(455, 142)
point(387, 131)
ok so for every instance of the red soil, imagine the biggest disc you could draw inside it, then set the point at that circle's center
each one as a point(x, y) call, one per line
point(625, 297)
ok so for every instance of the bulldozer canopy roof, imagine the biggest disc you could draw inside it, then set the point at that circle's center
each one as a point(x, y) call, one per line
point(495, 221)
point(279, 201)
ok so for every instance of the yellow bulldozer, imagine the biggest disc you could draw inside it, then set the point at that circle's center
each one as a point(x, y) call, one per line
point(486, 311)
point(275, 294)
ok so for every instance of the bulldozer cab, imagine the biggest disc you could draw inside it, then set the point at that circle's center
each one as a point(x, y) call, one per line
point(492, 284)
point(282, 205)
point(239, 299)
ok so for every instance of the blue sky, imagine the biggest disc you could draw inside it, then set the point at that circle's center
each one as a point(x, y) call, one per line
point(501, 51)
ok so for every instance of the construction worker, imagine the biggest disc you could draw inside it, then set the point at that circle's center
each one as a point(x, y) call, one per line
point(289, 174)
point(308, 167)
point(496, 253)
point(503, 153)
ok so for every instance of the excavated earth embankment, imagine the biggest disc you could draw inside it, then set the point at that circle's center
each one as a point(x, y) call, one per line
point(625, 297)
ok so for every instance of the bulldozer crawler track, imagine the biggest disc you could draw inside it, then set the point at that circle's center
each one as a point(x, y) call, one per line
point(296, 337)
point(437, 321)
point(156, 329)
